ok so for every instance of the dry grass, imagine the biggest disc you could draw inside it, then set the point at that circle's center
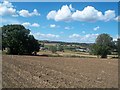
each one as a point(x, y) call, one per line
point(71, 54)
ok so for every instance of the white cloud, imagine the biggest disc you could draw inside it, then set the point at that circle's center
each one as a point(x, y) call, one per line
point(89, 38)
point(7, 3)
point(68, 28)
point(27, 24)
point(46, 36)
point(52, 25)
point(96, 28)
point(115, 37)
point(35, 25)
point(74, 36)
point(109, 15)
point(51, 15)
point(88, 14)
point(71, 8)
point(117, 18)
point(15, 15)
point(26, 13)
point(6, 21)
point(6, 8)
point(63, 14)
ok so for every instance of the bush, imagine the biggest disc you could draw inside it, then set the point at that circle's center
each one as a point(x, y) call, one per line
point(53, 49)
point(60, 48)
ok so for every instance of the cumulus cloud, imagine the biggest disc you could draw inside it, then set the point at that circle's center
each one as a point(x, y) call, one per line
point(27, 24)
point(89, 38)
point(63, 14)
point(96, 28)
point(35, 25)
point(74, 36)
point(51, 15)
point(52, 25)
point(88, 14)
point(109, 15)
point(117, 18)
point(68, 28)
point(5, 21)
point(45, 36)
point(26, 13)
point(71, 8)
point(115, 37)
point(6, 8)
point(7, 3)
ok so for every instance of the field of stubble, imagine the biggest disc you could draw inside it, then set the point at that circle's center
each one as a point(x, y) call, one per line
point(59, 72)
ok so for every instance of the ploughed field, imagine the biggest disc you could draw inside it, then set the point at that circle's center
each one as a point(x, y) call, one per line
point(59, 72)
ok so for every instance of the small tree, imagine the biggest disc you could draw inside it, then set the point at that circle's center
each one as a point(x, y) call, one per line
point(60, 48)
point(103, 45)
point(53, 49)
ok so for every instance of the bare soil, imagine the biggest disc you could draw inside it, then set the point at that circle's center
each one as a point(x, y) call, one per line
point(58, 72)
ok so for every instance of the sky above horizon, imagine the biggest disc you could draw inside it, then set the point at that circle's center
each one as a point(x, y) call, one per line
point(63, 21)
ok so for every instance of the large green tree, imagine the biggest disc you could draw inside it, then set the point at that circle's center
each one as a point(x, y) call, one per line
point(103, 45)
point(118, 47)
point(18, 40)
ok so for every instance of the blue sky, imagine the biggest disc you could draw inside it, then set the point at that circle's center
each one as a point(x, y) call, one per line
point(71, 22)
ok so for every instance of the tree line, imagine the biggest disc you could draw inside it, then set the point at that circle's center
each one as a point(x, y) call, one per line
point(18, 41)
